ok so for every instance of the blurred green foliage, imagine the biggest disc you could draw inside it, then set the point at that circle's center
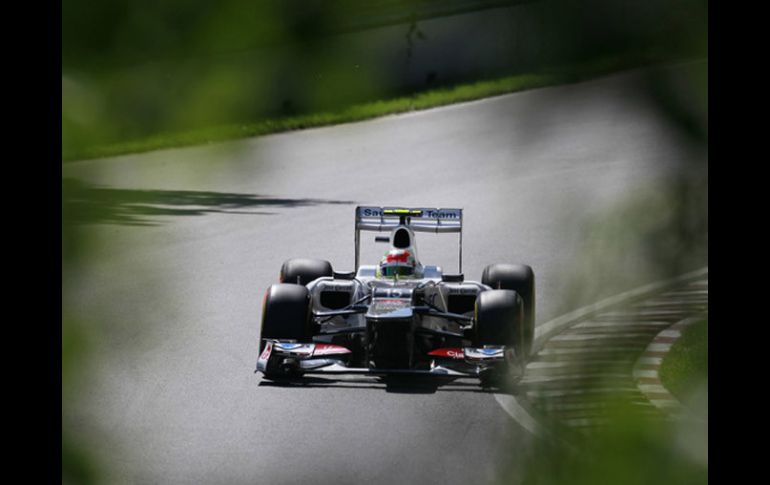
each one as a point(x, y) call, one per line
point(79, 465)
point(137, 68)
point(120, 33)
point(657, 233)
point(685, 367)
point(627, 450)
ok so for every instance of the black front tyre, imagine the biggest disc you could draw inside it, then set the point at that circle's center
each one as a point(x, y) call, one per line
point(286, 314)
point(499, 316)
point(301, 271)
point(521, 279)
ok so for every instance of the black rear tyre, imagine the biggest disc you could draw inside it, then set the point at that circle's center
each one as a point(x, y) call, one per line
point(286, 314)
point(521, 279)
point(302, 270)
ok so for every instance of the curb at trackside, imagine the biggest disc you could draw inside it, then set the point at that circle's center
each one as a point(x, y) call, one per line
point(544, 332)
point(646, 369)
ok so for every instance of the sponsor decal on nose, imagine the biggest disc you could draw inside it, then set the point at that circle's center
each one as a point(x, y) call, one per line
point(451, 353)
point(328, 349)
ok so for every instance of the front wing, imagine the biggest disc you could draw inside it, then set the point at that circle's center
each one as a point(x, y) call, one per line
point(281, 357)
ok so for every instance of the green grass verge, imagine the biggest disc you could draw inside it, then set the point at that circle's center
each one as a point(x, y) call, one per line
point(686, 365)
point(418, 101)
point(428, 99)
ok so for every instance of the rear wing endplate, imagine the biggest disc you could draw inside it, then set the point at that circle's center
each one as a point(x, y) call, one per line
point(420, 219)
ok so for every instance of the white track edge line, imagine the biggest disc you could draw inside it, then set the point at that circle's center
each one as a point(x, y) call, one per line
point(547, 330)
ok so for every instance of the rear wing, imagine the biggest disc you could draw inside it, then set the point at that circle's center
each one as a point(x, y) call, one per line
point(421, 219)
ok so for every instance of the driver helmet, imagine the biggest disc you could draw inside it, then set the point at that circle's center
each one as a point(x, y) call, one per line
point(399, 262)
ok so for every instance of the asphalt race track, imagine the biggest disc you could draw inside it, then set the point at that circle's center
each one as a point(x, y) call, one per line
point(191, 238)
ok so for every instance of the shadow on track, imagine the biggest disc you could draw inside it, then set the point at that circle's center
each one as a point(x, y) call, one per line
point(83, 203)
point(391, 384)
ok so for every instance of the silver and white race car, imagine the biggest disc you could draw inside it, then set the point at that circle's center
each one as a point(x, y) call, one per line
point(398, 317)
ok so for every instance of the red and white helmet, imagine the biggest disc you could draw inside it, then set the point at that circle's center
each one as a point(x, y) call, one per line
point(399, 262)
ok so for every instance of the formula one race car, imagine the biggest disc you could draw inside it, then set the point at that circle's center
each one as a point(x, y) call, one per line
point(398, 317)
